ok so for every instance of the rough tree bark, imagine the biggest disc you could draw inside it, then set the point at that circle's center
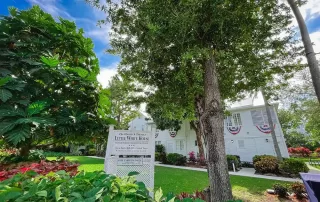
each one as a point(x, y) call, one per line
point(273, 134)
point(310, 54)
point(212, 122)
point(196, 127)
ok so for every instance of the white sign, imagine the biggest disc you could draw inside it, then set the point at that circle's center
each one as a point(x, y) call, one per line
point(129, 151)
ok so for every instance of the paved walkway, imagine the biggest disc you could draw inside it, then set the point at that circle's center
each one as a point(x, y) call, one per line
point(247, 172)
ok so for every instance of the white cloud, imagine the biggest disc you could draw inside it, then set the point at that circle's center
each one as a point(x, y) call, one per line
point(310, 10)
point(106, 73)
point(315, 38)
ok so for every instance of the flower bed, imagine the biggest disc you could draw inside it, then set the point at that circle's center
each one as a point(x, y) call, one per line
point(43, 167)
point(299, 152)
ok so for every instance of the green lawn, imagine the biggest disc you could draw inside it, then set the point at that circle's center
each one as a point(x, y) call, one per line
point(178, 180)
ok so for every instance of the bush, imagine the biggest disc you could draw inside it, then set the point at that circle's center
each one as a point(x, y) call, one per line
point(293, 166)
point(43, 167)
point(160, 148)
point(202, 161)
point(298, 189)
point(317, 151)
point(157, 156)
point(257, 158)
point(233, 159)
point(280, 190)
point(59, 186)
point(246, 164)
point(267, 164)
point(92, 152)
point(192, 156)
point(176, 159)
point(299, 151)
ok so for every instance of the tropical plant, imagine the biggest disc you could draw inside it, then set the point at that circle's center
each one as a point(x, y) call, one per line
point(293, 166)
point(176, 159)
point(49, 92)
point(267, 164)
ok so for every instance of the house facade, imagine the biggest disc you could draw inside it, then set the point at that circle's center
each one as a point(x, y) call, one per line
point(246, 133)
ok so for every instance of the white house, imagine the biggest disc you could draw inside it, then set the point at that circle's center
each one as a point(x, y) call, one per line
point(246, 133)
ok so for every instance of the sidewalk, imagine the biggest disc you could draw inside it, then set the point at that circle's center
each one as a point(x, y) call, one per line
point(246, 172)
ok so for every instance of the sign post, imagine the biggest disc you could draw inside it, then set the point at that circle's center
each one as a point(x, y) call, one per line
point(130, 150)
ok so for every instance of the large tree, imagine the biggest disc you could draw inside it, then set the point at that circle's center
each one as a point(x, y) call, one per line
point(48, 85)
point(310, 54)
point(198, 53)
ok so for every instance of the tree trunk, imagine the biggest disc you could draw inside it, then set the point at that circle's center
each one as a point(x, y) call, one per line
point(273, 134)
point(310, 54)
point(212, 122)
point(25, 150)
point(196, 127)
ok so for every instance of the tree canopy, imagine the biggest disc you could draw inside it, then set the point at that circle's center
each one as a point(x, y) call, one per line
point(48, 81)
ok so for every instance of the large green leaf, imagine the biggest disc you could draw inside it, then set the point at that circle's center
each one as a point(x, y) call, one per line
point(51, 62)
point(15, 86)
point(6, 126)
point(4, 72)
point(4, 80)
point(31, 62)
point(11, 112)
point(19, 134)
point(39, 120)
point(80, 71)
point(5, 94)
point(36, 107)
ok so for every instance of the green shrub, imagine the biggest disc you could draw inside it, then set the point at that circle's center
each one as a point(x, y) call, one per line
point(157, 156)
point(293, 166)
point(233, 159)
point(257, 158)
point(298, 189)
point(267, 164)
point(56, 154)
point(92, 152)
point(176, 159)
point(160, 148)
point(59, 186)
point(281, 190)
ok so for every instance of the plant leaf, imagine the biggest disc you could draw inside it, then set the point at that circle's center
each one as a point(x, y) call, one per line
point(4, 72)
point(51, 62)
point(158, 195)
point(133, 173)
point(19, 134)
point(31, 62)
point(11, 112)
point(4, 80)
point(5, 127)
point(80, 71)
point(43, 193)
point(43, 120)
point(5, 95)
point(15, 86)
point(36, 107)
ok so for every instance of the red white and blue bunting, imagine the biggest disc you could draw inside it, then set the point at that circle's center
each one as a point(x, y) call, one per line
point(265, 128)
point(234, 129)
point(173, 133)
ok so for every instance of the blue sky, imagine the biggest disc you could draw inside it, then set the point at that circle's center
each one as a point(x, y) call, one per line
point(86, 17)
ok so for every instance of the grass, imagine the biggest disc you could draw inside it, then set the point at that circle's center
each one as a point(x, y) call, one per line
point(178, 180)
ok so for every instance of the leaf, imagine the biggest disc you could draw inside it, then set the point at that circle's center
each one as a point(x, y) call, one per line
point(76, 195)
point(158, 195)
point(5, 127)
point(36, 107)
point(19, 134)
point(4, 80)
point(57, 192)
point(133, 173)
point(15, 86)
point(81, 72)
point(43, 193)
point(31, 62)
point(11, 112)
point(8, 193)
point(51, 62)
point(4, 72)
point(5, 95)
point(23, 102)
point(43, 120)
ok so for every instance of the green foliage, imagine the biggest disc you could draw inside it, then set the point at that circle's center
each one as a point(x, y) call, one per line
point(298, 189)
point(157, 156)
point(48, 85)
point(281, 190)
point(233, 159)
point(84, 186)
point(34, 155)
point(267, 164)
point(160, 148)
point(257, 158)
point(293, 166)
point(92, 152)
point(124, 101)
point(176, 159)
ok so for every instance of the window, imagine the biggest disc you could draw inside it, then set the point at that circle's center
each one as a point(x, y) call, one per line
point(179, 145)
point(259, 117)
point(158, 142)
point(234, 120)
point(241, 144)
point(195, 143)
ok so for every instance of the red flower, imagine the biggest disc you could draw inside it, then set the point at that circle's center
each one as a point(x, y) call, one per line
point(25, 169)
